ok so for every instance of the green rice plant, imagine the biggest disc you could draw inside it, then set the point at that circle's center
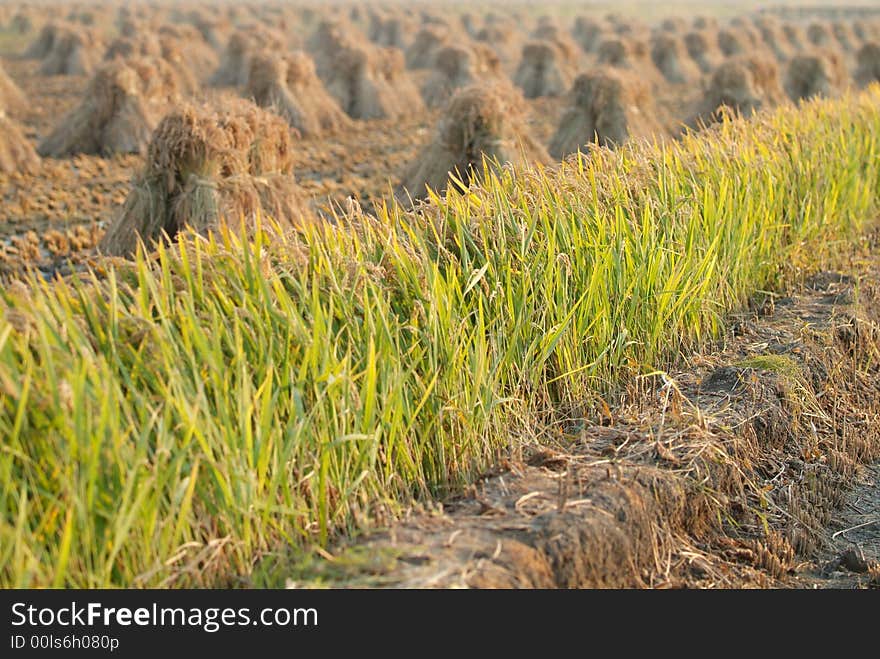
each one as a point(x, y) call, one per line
point(185, 418)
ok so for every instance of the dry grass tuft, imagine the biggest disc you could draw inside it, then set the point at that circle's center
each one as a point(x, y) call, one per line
point(235, 63)
point(775, 40)
point(328, 39)
point(371, 83)
point(567, 48)
point(868, 64)
point(16, 152)
point(543, 70)
point(182, 47)
point(43, 44)
point(456, 67)
point(289, 86)
point(844, 35)
point(795, 35)
point(742, 85)
point(12, 99)
point(607, 107)
point(121, 107)
point(588, 33)
point(623, 53)
point(819, 34)
point(483, 121)
point(21, 23)
point(143, 45)
point(700, 45)
point(73, 51)
point(671, 58)
point(206, 168)
point(507, 44)
point(818, 73)
point(393, 32)
point(426, 44)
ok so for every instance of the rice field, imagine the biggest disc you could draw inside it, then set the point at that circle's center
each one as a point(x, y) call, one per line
point(258, 375)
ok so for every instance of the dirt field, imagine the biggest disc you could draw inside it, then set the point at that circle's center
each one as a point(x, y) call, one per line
point(59, 212)
point(753, 464)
